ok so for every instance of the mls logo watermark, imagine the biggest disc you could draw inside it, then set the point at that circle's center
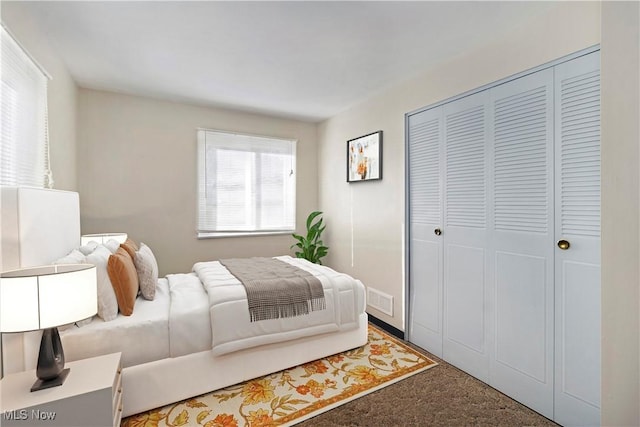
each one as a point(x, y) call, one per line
point(25, 415)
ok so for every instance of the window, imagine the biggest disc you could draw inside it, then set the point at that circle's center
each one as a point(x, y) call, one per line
point(246, 184)
point(24, 146)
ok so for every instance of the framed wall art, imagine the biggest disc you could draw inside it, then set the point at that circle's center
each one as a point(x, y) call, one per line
point(364, 158)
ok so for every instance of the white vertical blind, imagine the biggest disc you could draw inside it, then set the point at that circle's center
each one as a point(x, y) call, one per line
point(246, 184)
point(24, 146)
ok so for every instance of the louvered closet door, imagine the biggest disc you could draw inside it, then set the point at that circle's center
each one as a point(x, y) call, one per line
point(577, 320)
point(465, 235)
point(523, 246)
point(425, 247)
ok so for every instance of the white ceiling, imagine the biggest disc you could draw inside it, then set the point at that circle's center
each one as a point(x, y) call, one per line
point(304, 60)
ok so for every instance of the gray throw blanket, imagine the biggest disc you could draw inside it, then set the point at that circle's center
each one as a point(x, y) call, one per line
point(276, 289)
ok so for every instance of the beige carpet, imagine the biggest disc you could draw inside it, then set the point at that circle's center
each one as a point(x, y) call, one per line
point(291, 396)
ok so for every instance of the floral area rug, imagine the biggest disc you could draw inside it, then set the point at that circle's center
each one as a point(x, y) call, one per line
point(294, 395)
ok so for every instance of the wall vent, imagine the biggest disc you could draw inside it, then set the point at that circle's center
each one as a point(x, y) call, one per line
point(380, 301)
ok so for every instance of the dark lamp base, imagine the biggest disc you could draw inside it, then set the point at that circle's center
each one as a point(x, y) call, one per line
point(41, 384)
point(50, 370)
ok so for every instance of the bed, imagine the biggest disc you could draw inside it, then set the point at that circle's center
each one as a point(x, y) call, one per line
point(176, 346)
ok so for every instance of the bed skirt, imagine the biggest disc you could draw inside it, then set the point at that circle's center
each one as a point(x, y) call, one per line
point(154, 384)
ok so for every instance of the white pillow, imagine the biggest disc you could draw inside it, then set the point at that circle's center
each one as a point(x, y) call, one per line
point(112, 245)
point(88, 248)
point(147, 268)
point(73, 257)
point(107, 303)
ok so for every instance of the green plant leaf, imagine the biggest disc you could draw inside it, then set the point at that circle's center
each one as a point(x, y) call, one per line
point(311, 246)
point(311, 217)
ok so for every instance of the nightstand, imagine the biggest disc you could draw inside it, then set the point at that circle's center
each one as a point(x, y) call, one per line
point(90, 397)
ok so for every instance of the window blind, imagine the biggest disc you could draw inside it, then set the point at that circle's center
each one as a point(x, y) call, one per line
point(246, 184)
point(24, 145)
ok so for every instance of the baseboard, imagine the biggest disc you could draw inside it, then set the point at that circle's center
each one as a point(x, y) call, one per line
point(386, 327)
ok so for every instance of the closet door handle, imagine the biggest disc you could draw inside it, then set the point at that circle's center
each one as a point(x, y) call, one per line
point(564, 244)
point(437, 231)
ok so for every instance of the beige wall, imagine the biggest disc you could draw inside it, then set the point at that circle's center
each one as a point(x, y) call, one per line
point(137, 173)
point(366, 220)
point(620, 214)
point(62, 93)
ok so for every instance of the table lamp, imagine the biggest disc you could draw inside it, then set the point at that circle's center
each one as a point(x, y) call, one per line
point(45, 298)
point(102, 238)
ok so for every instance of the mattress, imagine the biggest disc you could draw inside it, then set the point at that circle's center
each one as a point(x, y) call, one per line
point(169, 326)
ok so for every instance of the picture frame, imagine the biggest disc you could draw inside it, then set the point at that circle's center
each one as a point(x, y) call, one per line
point(364, 158)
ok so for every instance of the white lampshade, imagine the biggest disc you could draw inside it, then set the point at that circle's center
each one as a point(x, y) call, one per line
point(46, 297)
point(102, 238)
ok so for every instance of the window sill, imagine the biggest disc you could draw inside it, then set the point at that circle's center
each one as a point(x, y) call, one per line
point(222, 234)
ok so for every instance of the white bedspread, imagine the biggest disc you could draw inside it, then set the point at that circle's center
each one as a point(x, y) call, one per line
point(141, 337)
point(232, 329)
point(175, 323)
point(189, 325)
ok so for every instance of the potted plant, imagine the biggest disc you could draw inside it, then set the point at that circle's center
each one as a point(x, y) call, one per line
point(311, 247)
